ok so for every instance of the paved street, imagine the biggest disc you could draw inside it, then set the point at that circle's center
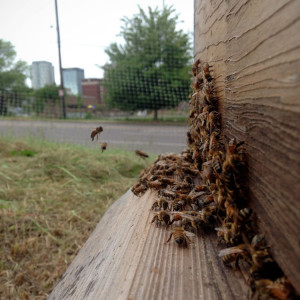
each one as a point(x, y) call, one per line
point(149, 138)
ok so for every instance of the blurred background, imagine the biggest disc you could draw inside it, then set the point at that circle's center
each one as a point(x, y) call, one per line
point(123, 65)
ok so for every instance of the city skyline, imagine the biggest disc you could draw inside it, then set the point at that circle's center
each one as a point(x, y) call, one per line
point(87, 28)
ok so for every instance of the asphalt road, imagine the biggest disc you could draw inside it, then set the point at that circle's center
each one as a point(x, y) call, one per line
point(145, 137)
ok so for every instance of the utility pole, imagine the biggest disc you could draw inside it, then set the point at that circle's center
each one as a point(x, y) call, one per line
point(61, 90)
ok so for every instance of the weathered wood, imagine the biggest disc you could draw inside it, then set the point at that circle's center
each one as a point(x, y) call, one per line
point(126, 257)
point(253, 48)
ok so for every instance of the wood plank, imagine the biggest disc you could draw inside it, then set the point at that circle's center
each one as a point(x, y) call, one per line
point(253, 47)
point(126, 258)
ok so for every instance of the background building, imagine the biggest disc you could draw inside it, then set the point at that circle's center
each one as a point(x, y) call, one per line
point(42, 73)
point(91, 91)
point(72, 80)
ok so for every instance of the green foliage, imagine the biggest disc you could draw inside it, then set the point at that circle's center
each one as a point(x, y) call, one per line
point(25, 152)
point(12, 73)
point(45, 95)
point(150, 71)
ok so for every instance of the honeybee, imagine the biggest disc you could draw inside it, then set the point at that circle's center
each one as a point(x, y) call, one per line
point(281, 289)
point(141, 154)
point(200, 188)
point(162, 216)
point(229, 232)
point(217, 162)
point(190, 140)
point(190, 170)
point(167, 193)
point(170, 171)
point(207, 172)
point(166, 181)
point(103, 146)
point(139, 189)
point(245, 214)
point(195, 67)
point(181, 236)
point(230, 255)
point(178, 204)
point(161, 203)
point(212, 120)
point(206, 71)
point(156, 184)
point(96, 132)
point(198, 82)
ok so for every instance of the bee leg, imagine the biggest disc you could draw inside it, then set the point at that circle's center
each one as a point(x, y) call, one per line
point(185, 243)
point(154, 218)
point(169, 238)
point(236, 263)
point(189, 239)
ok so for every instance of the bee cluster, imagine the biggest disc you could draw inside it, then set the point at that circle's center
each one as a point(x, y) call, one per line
point(203, 187)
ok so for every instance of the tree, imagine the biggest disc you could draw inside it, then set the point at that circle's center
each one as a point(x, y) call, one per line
point(12, 73)
point(12, 76)
point(150, 70)
point(47, 95)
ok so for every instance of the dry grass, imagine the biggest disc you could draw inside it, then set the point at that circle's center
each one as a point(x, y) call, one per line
point(51, 198)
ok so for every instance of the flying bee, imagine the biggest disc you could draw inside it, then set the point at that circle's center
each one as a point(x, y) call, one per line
point(162, 216)
point(103, 146)
point(141, 154)
point(96, 132)
point(180, 236)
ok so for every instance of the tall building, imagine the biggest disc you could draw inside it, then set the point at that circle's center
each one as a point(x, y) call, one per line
point(72, 80)
point(42, 73)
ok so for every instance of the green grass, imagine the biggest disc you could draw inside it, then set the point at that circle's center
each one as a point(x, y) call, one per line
point(51, 198)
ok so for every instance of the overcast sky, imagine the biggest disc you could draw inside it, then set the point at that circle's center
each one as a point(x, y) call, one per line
point(87, 27)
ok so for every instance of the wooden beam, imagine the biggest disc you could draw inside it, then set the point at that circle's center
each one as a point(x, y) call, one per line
point(253, 48)
point(126, 257)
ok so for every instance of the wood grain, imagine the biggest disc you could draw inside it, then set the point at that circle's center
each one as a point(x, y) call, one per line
point(126, 257)
point(253, 47)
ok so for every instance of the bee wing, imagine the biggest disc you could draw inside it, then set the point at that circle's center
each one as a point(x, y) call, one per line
point(188, 233)
point(220, 229)
point(231, 250)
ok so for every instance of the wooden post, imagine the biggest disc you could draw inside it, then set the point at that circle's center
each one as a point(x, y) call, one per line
point(254, 50)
